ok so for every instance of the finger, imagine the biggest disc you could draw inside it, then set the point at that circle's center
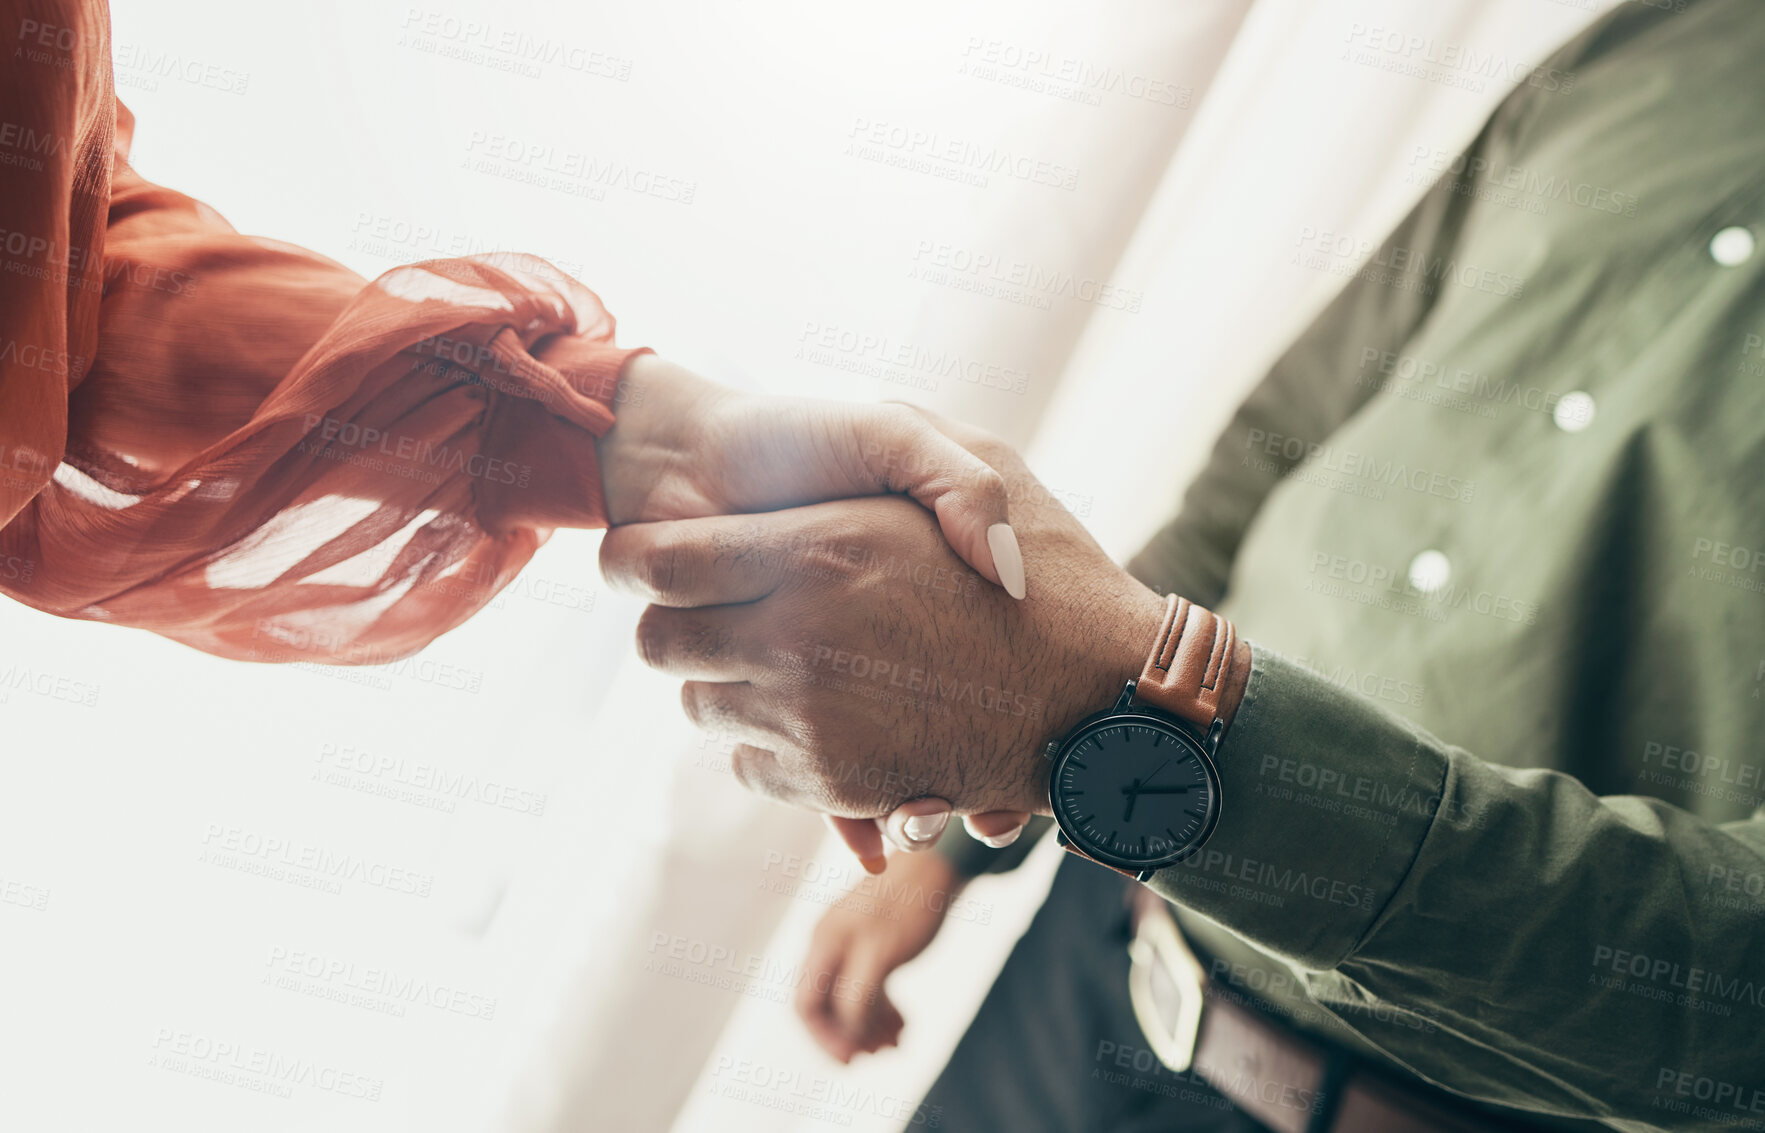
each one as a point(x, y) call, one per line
point(997, 828)
point(862, 836)
point(736, 710)
point(859, 1003)
point(813, 1001)
point(903, 452)
point(699, 644)
point(713, 561)
point(918, 823)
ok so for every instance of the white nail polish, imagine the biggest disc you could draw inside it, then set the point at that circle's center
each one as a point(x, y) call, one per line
point(925, 827)
point(1007, 558)
point(1003, 840)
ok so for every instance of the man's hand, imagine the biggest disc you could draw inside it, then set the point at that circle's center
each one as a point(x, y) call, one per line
point(683, 448)
point(858, 944)
point(863, 664)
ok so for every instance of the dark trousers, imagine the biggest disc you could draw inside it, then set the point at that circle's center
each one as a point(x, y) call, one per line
point(1056, 1047)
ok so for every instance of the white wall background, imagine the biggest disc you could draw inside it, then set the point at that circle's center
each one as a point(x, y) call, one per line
point(380, 133)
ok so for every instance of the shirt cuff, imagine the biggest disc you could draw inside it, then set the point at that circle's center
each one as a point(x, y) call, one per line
point(550, 476)
point(1325, 799)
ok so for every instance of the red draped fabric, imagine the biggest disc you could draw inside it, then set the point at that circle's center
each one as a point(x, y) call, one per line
point(241, 444)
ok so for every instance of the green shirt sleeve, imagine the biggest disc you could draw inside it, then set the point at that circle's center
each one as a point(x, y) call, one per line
point(1576, 952)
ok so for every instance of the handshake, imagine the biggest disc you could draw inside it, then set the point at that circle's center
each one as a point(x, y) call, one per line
point(812, 573)
point(837, 630)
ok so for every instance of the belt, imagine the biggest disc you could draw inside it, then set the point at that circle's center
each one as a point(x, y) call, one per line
point(1270, 1071)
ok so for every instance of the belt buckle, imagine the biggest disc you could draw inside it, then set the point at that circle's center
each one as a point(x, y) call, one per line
point(1165, 985)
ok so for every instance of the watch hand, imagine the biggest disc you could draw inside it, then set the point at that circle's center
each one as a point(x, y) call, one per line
point(1155, 772)
point(1133, 793)
point(1139, 790)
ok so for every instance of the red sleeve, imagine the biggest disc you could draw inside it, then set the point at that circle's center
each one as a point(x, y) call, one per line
point(246, 447)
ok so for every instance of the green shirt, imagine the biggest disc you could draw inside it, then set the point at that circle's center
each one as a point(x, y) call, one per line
point(1495, 526)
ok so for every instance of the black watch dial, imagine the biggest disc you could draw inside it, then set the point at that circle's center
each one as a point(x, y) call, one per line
point(1134, 791)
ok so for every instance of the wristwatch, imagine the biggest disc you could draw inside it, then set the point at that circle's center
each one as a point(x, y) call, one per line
point(1134, 787)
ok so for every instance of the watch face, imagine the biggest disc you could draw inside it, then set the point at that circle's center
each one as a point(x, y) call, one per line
point(1134, 790)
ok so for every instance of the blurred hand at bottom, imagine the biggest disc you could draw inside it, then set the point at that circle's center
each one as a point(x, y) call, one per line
point(859, 943)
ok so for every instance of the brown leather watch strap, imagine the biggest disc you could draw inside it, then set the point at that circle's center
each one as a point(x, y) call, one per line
point(1197, 670)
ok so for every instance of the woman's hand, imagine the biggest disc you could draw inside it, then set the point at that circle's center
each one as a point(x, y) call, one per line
point(686, 448)
point(858, 943)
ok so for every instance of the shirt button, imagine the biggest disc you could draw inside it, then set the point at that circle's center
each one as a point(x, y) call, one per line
point(1574, 411)
point(1429, 571)
point(1731, 246)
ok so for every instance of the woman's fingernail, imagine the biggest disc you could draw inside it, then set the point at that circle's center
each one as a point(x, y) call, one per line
point(1007, 558)
point(923, 828)
point(874, 865)
point(1000, 841)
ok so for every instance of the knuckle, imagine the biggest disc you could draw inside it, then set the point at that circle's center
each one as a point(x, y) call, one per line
point(990, 484)
point(653, 638)
point(745, 764)
point(662, 569)
point(693, 701)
